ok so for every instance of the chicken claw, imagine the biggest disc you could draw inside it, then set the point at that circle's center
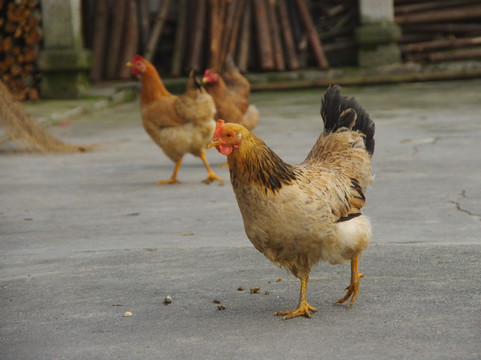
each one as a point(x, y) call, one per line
point(170, 181)
point(212, 176)
point(173, 179)
point(353, 288)
point(303, 308)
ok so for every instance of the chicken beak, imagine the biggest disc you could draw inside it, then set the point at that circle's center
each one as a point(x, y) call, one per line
point(129, 64)
point(213, 143)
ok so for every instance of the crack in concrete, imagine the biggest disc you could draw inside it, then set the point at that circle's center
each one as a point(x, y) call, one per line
point(460, 208)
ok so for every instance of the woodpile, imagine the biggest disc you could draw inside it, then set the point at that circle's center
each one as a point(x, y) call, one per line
point(261, 35)
point(439, 30)
point(20, 41)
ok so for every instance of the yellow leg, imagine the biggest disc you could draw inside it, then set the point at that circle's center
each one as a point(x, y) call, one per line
point(303, 308)
point(212, 176)
point(173, 179)
point(353, 288)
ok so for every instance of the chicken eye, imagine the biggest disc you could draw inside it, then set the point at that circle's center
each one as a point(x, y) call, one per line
point(229, 134)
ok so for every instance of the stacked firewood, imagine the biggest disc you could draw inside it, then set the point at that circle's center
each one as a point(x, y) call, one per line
point(261, 35)
point(20, 40)
point(439, 30)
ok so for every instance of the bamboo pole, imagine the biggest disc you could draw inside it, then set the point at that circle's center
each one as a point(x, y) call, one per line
point(115, 40)
point(276, 36)
point(179, 42)
point(157, 30)
point(227, 31)
point(237, 24)
point(198, 38)
point(131, 39)
point(243, 55)
point(312, 35)
point(99, 40)
point(144, 23)
point(215, 34)
point(291, 52)
point(264, 37)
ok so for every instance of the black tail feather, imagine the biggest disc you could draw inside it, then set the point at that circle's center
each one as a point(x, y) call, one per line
point(340, 111)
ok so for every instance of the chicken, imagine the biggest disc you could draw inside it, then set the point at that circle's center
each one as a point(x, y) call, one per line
point(177, 124)
point(298, 215)
point(231, 95)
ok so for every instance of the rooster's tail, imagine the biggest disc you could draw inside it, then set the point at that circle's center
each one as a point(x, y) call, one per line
point(339, 111)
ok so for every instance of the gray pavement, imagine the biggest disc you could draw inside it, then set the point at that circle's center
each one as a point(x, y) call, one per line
point(85, 238)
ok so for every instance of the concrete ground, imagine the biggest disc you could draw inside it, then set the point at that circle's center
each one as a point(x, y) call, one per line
point(87, 237)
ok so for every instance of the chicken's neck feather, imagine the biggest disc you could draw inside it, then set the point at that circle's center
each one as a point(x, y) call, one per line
point(152, 87)
point(255, 163)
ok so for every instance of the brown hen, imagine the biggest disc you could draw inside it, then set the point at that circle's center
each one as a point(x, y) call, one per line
point(177, 124)
point(298, 215)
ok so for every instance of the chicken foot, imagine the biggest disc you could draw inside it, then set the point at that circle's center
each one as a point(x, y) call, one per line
point(212, 176)
point(303, 308)
point(353, 288)
point(173, 179)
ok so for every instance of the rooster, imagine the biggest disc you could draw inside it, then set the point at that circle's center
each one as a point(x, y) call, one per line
point(298, 215)
point(231, 95)
point(177, 124)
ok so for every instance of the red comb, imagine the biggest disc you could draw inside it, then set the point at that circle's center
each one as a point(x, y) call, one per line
point(218, 128)
point(137, 58)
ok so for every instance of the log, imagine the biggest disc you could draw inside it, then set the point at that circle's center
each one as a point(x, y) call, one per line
point(276, 36)
point(439, 44)
point(115, 40)
point(454, 14)
point(179, 42)
point(458, 54)
point(428, 6)
point(451, 28)
point(264, 42)
point(291, 52)
point(312, 35)
point(243, 55)
point(368, 79)
point(157, 30)
point(339, 46)
point(198, 38)
point(19, 43)
point(131, 39)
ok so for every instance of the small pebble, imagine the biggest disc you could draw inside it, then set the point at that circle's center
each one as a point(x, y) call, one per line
point(241, 288)
point(220, 307)
point(278, 280)
point(267, 292)
point(127, 314)
point(255, 290)
point(168, 299)
point(216, 301)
